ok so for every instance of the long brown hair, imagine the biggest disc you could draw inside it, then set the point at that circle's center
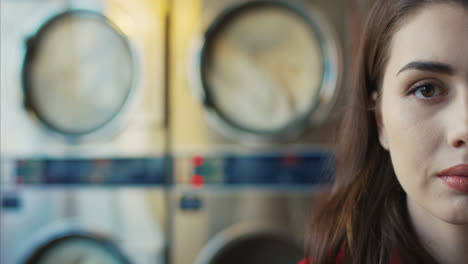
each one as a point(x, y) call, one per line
point(365, 212)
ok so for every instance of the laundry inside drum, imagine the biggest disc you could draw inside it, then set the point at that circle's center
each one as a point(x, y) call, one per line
point(265, 68)
point(80, 73)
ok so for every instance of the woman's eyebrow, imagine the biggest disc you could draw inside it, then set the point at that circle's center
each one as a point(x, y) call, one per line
point(430, 66)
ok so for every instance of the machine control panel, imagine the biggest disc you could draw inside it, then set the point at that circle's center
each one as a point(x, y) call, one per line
point(116, 171)
point(271, 169)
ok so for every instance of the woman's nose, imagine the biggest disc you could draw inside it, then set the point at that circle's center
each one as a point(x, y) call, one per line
point(458, 127)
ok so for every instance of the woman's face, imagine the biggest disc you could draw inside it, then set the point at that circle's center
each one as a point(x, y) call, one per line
point(423, 116)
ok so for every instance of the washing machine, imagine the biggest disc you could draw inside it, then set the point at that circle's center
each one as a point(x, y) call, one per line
point(244, 207)
point(82, 78)
point(256, 92)
point(83, 211)
point(83, 131)
point(82, 225)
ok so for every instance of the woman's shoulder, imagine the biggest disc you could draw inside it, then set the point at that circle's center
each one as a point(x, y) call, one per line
point(305, 261)
point(310, 261)
point(339, 258)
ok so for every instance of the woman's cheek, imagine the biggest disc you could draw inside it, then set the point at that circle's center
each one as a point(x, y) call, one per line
point(412, 136)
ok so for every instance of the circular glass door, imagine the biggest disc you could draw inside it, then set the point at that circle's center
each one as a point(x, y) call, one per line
point(78, 72)
point(263, 65)
point(256, 249)
point(77, 249)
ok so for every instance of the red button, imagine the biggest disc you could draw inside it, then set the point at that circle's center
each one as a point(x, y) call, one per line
point(198, 161)
point(197, 181)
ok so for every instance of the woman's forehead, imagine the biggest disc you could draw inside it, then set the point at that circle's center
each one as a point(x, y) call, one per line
point(437, 32)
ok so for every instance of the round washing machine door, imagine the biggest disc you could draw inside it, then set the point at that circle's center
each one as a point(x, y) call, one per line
point(266, 67)
point(77, 249)
point(78, 72)
point(253, 249)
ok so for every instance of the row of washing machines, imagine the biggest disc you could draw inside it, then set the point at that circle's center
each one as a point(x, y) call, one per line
point(172, 132)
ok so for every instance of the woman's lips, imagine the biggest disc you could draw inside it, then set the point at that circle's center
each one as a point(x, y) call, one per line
point(456, 177)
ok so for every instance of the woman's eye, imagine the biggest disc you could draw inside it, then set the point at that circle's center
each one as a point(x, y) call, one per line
point(427, 91)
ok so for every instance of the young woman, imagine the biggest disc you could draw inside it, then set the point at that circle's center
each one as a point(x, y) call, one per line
point(401, 188)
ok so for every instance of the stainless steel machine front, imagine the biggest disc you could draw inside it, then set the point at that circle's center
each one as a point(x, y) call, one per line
point(215, 226)
point(84, 225)
point(256, 89)
point(244, 207)
point(82, 78)
point(83, 139)
point(259, 73)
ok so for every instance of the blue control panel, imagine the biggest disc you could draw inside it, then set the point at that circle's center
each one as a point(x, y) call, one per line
point(121, 171)
point(10, 201)
point(268, 169)
point(190, 203)
point(271, 169)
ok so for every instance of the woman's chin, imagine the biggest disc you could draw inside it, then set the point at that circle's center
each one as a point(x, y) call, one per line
point(457, 215)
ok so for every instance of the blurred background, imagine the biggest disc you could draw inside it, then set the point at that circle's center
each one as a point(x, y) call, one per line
point(168, 131)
